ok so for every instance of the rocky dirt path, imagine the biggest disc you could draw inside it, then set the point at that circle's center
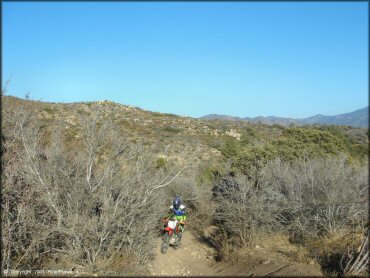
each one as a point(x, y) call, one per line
point(193, 258)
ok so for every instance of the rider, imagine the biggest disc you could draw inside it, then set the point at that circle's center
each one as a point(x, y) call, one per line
point(178, 210)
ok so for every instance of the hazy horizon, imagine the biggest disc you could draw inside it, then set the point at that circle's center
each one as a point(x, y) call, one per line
point(241, 59)
point(282, 116)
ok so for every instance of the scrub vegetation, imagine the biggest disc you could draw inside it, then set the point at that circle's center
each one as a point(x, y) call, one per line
point(85, 185)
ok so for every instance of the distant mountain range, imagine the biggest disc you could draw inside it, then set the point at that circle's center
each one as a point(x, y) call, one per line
point(358, 118)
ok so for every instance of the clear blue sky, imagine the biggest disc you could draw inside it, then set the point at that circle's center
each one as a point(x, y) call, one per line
point(242, 58)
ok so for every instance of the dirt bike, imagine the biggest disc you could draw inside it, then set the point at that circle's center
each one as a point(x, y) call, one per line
point(170, 234)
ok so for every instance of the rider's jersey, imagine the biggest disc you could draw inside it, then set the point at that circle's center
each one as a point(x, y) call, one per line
point(179, 213)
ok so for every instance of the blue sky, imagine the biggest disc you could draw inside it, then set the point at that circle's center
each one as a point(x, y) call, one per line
point(291, 59)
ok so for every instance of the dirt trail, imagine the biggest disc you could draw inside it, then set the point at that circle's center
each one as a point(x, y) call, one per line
point(196, 258)
point(193, 258)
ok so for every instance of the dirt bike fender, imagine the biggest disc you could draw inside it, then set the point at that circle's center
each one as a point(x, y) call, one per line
point(170, 231)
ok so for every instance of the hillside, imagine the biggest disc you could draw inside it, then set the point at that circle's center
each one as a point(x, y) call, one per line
point(358, 118)
point(99, 176)
point(162, 131)
point(167, 131)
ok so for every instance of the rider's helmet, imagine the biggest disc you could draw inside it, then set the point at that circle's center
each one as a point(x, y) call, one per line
point(177, 203)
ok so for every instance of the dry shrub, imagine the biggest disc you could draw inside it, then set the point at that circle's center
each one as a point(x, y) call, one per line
point(308, 200)
point(82, 204)
point(244, 210)
point(228, 250)
point(333, 251)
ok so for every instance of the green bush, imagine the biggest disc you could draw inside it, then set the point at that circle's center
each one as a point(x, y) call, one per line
point(252, 131)
point(254, 157)
point(172, 129)
point(359, 150)
point(207, 175)
point(294, 143)
point(158, 114)
point(50, 110)
point(355, 140)
point(231, 148)
point(161, 163)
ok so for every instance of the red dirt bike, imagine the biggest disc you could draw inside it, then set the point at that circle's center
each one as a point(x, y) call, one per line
point(170, 234)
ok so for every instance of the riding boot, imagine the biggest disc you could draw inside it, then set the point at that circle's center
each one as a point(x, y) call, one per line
point(179, 237)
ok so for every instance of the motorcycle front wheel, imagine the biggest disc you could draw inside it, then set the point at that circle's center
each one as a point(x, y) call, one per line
point(165, 241)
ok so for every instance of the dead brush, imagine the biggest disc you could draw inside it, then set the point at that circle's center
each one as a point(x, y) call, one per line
point(281, 244)
point(335, 252)
point(358, 260)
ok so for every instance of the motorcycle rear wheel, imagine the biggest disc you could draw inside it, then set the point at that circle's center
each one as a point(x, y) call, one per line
point(165, 241)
